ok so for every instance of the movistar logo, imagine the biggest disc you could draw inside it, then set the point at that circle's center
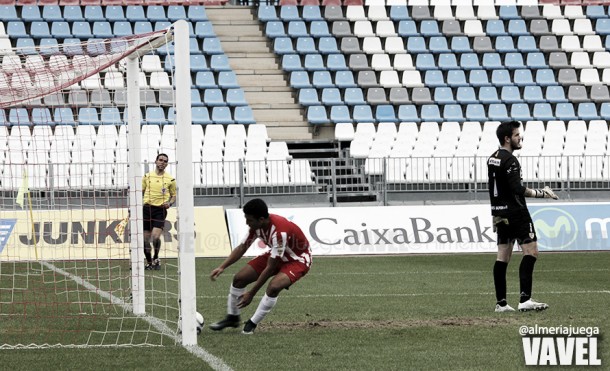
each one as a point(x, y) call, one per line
point(556, 228)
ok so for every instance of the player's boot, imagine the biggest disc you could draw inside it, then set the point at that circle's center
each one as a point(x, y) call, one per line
point(229, 321)
point(532, 305)
point(148, 266)
point(156, 265)
point(249, 328)
point(502, 309)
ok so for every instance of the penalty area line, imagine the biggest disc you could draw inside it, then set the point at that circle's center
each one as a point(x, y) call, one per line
point(213, 361)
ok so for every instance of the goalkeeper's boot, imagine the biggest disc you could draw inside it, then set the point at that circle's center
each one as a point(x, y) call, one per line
point(229, 321)
point(148, 266)
point(156, 265)
point(532, 305)
point(249, 328)
point(505, 308)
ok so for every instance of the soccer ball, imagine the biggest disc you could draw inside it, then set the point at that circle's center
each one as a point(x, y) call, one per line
point(200, 322)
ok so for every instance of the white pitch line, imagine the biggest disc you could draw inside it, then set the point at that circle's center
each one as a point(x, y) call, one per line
point(414, 294)
point(214, 362)
point(445, 272)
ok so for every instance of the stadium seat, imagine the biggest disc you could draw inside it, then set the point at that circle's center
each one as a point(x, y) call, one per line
point(543, 111)
point(292, 62)
point(488, 95)
point(385, 113)
point(565, 112)
point(430, 112)
point(353, 96)
point(408, 113)
point(330, 96)
point(267, 13)
point(497, 112)
point(317, 115)
point(340, 113)
point(362, 113)
point(442, 96)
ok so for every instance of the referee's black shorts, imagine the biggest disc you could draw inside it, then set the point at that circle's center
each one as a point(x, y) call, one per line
point(153, 217)
point(520, 228)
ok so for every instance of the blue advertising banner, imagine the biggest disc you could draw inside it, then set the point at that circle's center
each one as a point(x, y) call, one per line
point(571, 226)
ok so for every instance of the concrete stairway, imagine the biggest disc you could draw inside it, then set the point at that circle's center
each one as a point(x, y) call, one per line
point(260, 75)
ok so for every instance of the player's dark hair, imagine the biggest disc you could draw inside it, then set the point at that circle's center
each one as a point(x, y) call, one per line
point(162, 154)
point(257, 208)
point(506, 130)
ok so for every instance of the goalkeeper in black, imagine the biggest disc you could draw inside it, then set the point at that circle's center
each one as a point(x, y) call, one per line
point(511, 218)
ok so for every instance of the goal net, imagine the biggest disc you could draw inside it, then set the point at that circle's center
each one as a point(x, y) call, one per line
point(81, 123)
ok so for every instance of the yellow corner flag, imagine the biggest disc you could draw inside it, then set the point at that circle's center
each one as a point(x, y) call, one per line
point(23, 190)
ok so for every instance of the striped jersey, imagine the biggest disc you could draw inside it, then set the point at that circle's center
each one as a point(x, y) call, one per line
point(286, 240)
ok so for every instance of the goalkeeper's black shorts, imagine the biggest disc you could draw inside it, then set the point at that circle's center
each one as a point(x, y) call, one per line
point(154, 217)
point(520, 228)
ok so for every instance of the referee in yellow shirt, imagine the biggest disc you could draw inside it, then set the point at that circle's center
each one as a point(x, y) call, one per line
point(159, 194)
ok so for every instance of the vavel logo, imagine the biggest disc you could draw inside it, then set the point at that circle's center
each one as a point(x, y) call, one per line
point(555, 228)
point(6, 227)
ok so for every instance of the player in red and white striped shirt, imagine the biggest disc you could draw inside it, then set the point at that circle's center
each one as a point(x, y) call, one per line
point(288, 260)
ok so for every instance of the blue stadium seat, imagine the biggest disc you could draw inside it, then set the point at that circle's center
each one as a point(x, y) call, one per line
point(267, 13)
point(155, 13)
point(8, 13)
point(565, 112)
point(227, 80)
point(31, 13)
point(492, 61)
point(545, 77)
point(213, 97)
point(198, 63)
point(306, 45)
point(444, 96)
point(479, 77)
point(26, 45)
point(327, 45)
point(39, 30)
point(555, 94)
point(527, 44)
point(292, 62)
point(122, 29)
point(595, 12)
point(508, 12)
point(94, 13)
point(495, 27)
point(200, 116)
point(602, 26)
point(543, 111)
point(466, 95)
point(520, 112)
point(73, 13)
point(197, 13)
point(211, 45)
point(385, 113)
point(163, 25)
point(110, 116)
point(96, 47)
point(219, 62)
point(353, 96)
point(314, 62)
point(523, 77)
point(236, 97)
point(319, 29)
point(73, 47)
point(434, 78)
point(297, 29)
point(429, 28)
point(196, 98)
point(475, 112)
point(115, 13)
point(505, 44)
point(399, 13)
point(61, 30)
point(535, 60)
point(336, 62)
point(408, 113)
point(438, 44)
point(513, 61)
point(498, 112)
point(204, 29)
point(488, 95)
point(143, 27)
point(63, 116)
point(332, 97)
point(517, 27)
point(470, 61)
point(425, 61)
point(282, 45)
point(430, 112)
point(510, 94)
point(460, 44)
point(500, 78)
point(102, 29)
point(344, 79)
point(533, 94)
point(416, 44)
point(154, 116)
point(340, 114)
point(447, 61)
point(300, 80)
point(587, 111)
point(41, 116)
point(456, 78)
point(289, 13)
point(176, 13)
point(407, 28)
point(453, 112)
point(322, 79)
point(312, 13)
point(16, 29)
point(309, 97)
point(205, 80)
point(49, 46)
point(317, 115)
point(88, 116)
point(243, 115)
point(52, 13)
point(604, 111)
point(363, 113)
point(275, 29)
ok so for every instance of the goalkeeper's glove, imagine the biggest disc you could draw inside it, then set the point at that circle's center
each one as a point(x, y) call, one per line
point(545, 192)
point(497, 220)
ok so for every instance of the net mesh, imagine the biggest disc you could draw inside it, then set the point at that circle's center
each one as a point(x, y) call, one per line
point(64, 241)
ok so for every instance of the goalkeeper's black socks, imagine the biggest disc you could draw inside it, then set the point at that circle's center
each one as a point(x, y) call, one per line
point(526, 273)
point(500, 280)
point(157, 245)
point(147, 253)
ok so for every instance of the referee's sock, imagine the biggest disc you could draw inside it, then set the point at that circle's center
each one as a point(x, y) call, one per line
point(500, 281)
point(526, 273)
